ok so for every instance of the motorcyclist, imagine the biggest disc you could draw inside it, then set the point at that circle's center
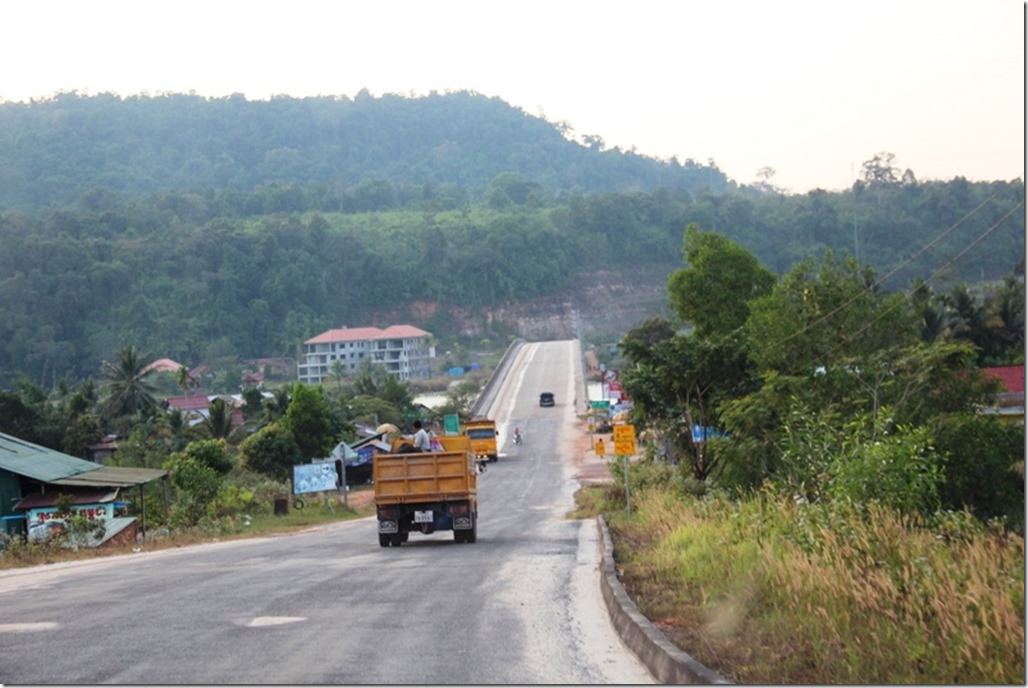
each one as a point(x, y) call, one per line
point(517, 436)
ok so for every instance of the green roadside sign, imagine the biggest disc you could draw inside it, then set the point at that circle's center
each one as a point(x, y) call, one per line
point(451, 424)
point(599, 404)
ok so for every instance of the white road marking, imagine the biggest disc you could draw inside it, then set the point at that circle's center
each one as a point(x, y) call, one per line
point(28, 627)
point(274, 620)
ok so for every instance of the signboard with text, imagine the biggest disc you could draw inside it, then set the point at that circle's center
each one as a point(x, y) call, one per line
point(45, 521)
point(624, 439)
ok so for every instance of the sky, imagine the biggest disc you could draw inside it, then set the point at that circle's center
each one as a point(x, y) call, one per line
point(808, 89)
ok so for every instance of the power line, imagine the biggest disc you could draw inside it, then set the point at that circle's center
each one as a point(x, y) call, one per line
point(902, 265)
point(952, 260)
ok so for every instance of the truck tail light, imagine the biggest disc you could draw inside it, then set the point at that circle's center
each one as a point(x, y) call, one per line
point(458, 509)
point(388, 514)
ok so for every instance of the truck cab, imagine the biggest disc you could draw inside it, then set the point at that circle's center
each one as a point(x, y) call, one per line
point(482, 434)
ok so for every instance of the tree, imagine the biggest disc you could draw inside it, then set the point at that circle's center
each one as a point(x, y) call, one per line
point(211, 453)
point(721, 278)
point(276, 406)
point(823, 312)
point(370, 377)
point(271, 451)
point(185, 381)
point(127, 387)
point(985, 466)
point(879, 170)
point(680, 382)
point(253, 402)
point(338, 370)
point(218, 422)
point(198, 485)
point(311, 422)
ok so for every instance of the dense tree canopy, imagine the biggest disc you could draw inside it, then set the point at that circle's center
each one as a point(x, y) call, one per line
point(830, 390)
point(58, 149)
point(226, 229)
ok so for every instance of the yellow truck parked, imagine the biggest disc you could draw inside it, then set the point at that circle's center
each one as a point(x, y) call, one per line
point(482, 433)
point(422, 492)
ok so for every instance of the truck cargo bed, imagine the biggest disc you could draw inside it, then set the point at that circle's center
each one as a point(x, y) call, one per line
point(428, 477)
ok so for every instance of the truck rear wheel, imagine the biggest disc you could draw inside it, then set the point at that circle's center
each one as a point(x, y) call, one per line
point(384, 539)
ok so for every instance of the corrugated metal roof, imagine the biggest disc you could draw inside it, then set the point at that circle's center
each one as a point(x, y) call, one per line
point(112, 476)
point(49, 466)
point(39, 463)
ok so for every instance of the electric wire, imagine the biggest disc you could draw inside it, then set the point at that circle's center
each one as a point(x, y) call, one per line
point(899, 267)
point(908, 293)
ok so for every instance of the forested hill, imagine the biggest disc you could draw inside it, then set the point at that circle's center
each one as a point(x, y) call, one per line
point(212, 230)
point(57, 149)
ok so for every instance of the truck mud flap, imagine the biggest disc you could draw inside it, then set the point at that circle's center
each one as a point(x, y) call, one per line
point(388, 526)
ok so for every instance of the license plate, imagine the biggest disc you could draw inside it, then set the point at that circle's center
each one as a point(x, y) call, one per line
point(423, 517)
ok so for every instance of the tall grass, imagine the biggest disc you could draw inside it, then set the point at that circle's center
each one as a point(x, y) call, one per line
point(781, 592)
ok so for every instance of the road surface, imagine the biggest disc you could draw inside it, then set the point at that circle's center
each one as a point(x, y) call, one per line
point(329, 605)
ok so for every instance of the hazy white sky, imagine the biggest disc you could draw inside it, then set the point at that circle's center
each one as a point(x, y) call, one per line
point(809, 88)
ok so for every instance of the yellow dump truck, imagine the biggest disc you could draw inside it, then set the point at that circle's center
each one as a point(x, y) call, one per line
point(422, 492)
point(482, 433)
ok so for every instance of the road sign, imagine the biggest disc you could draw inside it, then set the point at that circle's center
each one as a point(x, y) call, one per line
point(702, 433)
point(624, 439)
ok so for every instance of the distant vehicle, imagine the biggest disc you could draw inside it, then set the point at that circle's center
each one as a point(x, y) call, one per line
point(546, 399)
point(482, 433)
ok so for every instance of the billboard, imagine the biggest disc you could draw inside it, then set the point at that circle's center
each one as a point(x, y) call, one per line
point(315, 477)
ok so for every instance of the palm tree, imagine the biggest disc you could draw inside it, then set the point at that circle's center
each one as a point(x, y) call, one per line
point(275, 407)
point(338, 370)
point(185, 380)
point(126, 387)
point(218, 422)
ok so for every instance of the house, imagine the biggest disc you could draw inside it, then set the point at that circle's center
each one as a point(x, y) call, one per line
point(196, 409)
point(1009, 403)
point(403, 350)
point(33, 478)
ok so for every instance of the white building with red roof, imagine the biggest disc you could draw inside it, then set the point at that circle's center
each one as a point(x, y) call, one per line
point(403, 350)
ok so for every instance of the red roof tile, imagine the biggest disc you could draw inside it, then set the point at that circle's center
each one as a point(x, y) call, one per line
point(360, 334)
point(1012, 377)
point(199, 401)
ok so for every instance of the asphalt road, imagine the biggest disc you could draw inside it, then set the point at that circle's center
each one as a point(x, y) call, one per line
point(329, 605)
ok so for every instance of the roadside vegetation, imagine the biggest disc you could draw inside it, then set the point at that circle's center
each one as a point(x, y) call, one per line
point(769, 591)
point(825, 493)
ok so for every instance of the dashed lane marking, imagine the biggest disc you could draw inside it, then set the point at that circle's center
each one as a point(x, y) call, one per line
point(28, 627)
point(274, 620)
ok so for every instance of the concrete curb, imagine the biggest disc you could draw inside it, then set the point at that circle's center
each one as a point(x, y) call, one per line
point(666, 663)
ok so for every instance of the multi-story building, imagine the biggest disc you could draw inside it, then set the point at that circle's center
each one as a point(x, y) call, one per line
point(403, 350)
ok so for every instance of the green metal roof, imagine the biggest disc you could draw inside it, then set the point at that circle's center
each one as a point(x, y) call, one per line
point(49, 466)
point(112, 476)
point(39, 463)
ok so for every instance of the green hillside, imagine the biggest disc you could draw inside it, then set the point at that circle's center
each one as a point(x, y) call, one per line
point(222, 229)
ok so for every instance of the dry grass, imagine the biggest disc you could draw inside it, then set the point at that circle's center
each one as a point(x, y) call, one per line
point(763, 593)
